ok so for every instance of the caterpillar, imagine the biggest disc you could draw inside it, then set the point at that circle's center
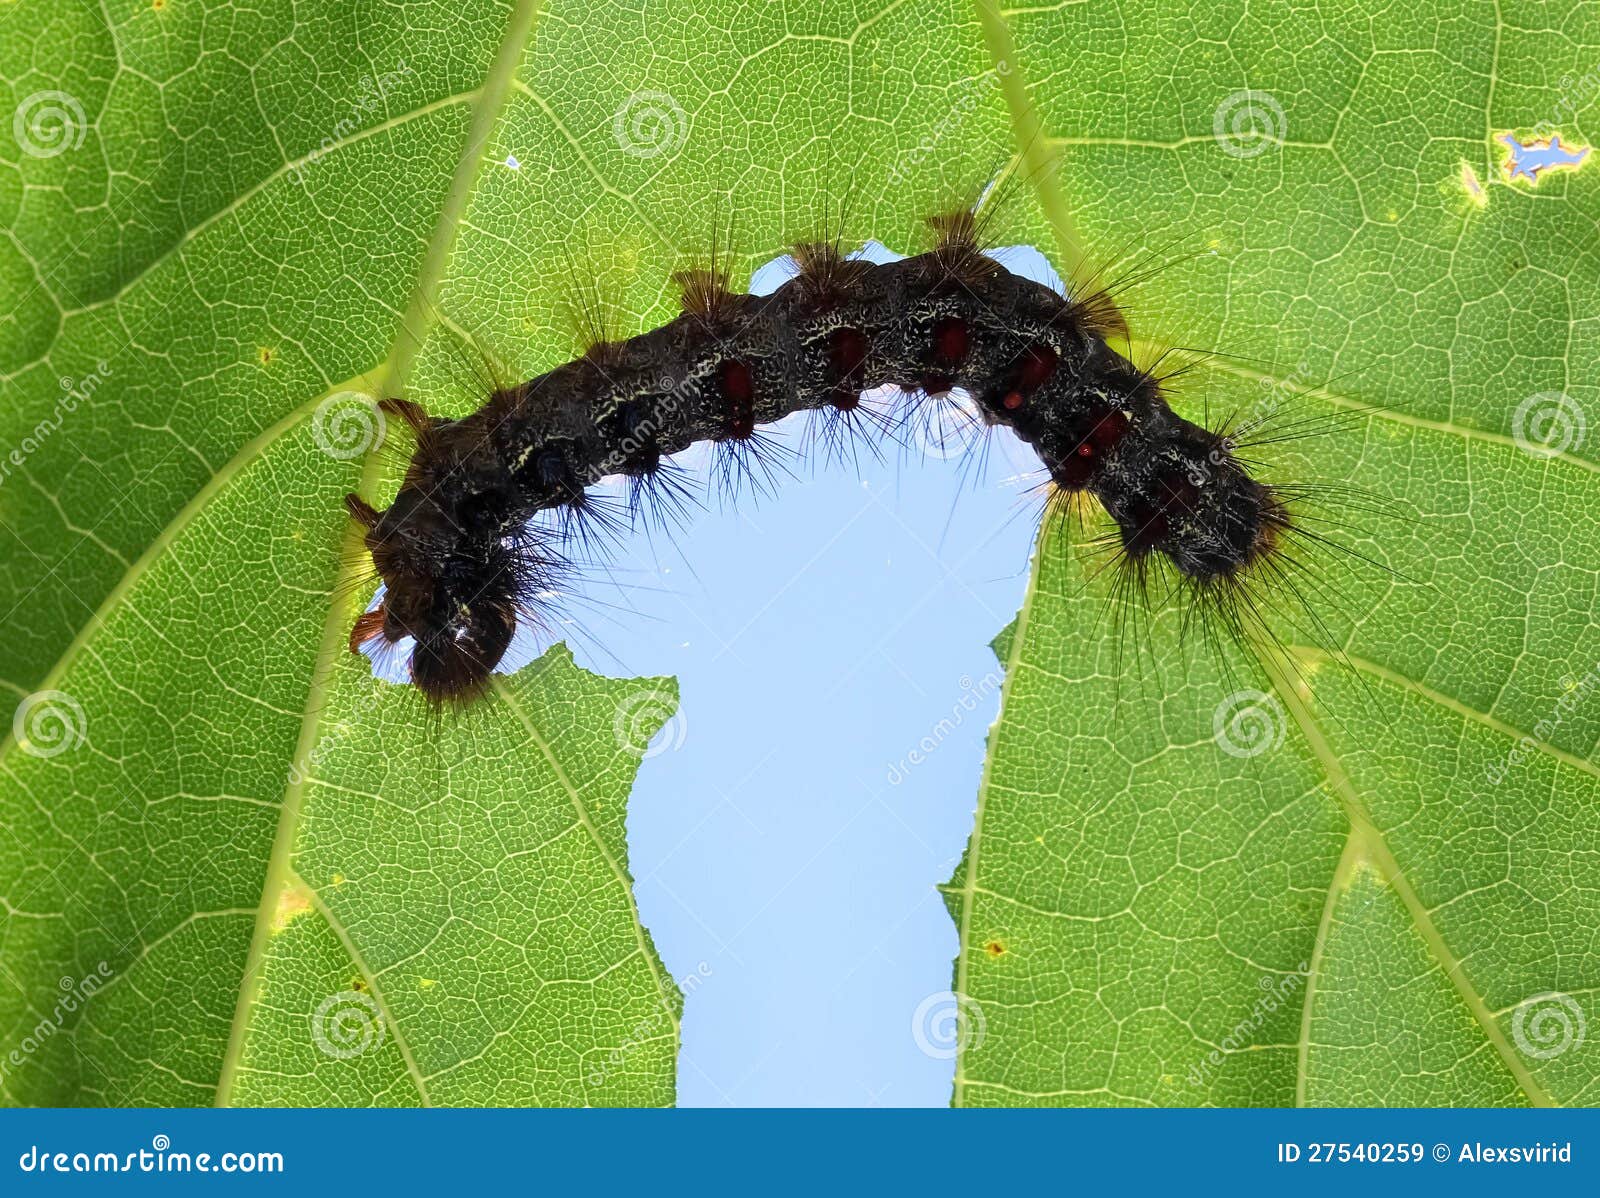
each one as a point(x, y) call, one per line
point(462, 557)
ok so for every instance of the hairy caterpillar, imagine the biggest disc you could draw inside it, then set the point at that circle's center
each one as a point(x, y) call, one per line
point(462, 558)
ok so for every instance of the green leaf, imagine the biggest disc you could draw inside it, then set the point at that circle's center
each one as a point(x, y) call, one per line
point(302, 888)
point(275, 904)
point(302, 891)
point(1359, 908)
point(235, 867)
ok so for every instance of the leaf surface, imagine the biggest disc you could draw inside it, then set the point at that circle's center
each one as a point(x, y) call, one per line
point(265, 877)
point(1386, 893)
point(280, 861)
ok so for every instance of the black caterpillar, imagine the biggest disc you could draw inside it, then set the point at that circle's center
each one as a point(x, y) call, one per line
point(462, 559)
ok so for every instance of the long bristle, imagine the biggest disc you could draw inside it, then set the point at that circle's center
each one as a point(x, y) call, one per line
point(959, 243)
point(362, 512)
point(410, 413)
point(661, 499)
point(704, 289)
point(825, 271)
point(753, 465)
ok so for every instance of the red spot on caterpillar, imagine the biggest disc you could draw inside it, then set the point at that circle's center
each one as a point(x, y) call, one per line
point(1177, 492)
point(847, 356)
point(737, 384)
point(1038, 364)
point(951, 340)
point(1148, 530)
point(1109, 429)
point(1031, 370)
point(847, 351)
point(1073, 473)
point(1105, 428)
point(738, 387)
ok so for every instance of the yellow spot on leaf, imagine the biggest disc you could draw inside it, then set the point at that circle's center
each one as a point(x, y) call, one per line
point(265, 354)
point(1365, 873)
point(293, 902)
point(995, 949)
point(426, 983)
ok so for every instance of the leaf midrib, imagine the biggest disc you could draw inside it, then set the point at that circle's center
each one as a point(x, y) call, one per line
point(491, 98)
point(1376, 850)
point(1365, 844)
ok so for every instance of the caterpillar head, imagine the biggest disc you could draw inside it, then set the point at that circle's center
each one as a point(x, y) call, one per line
point(1200, 508)
point(455, 596)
